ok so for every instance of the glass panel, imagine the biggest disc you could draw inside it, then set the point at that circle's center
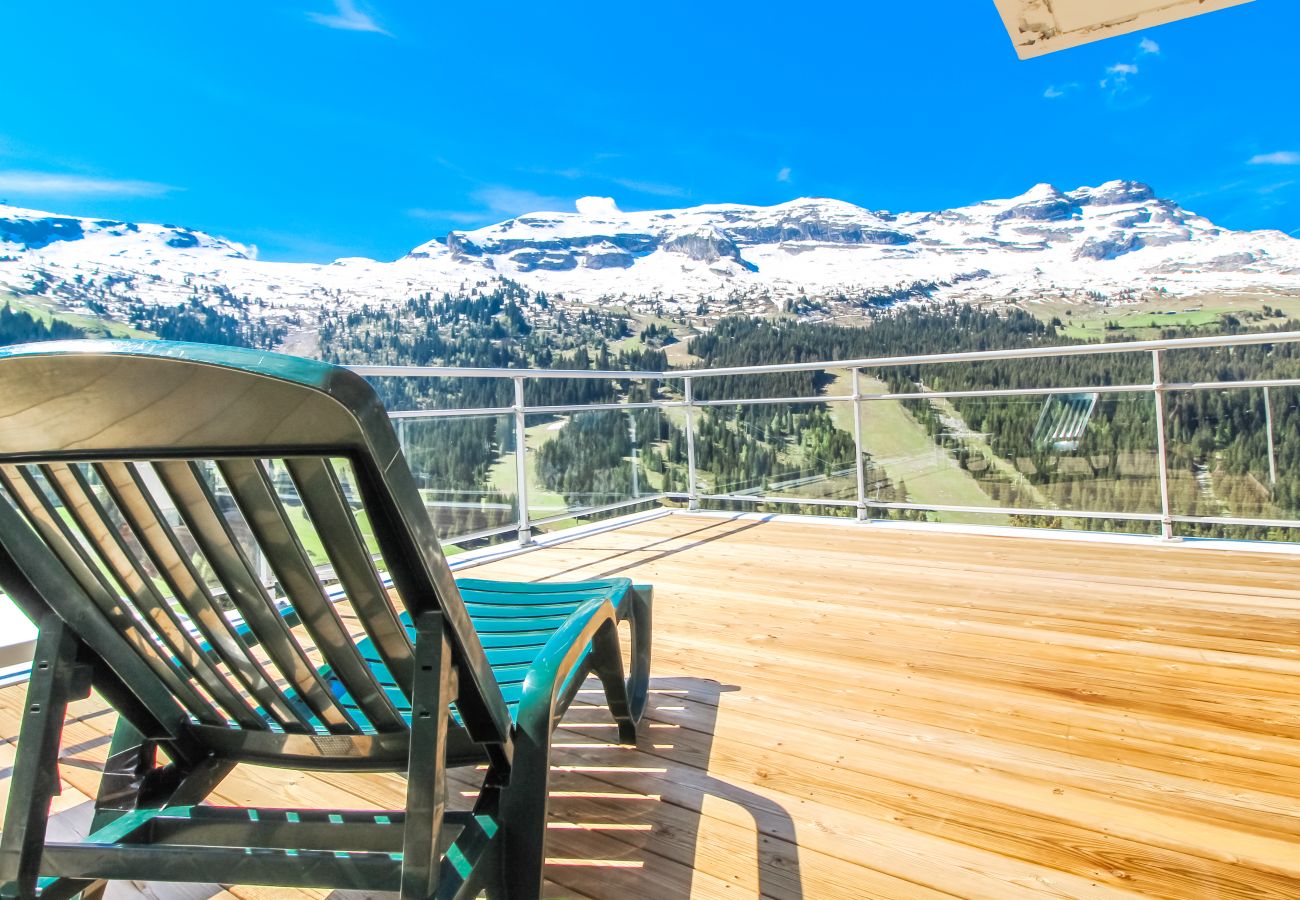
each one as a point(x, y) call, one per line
point(911, 457)
point(786, 452)
point(153, 487)
point(1086, 452)
point(412, 393)
point(755, 386)
point(586, 460)
point(1093, 370)
point(464, 468)
point(1258, 361)
point(294, 510)
point(572, 391)
point(1220, 447)
point(352, 496)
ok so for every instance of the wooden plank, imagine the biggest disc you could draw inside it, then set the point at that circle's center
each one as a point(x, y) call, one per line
point(849, 712)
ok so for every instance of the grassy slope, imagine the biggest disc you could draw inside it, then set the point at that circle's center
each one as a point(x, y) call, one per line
point(1146, 318)
point(541, 502)
point(678, 356)
point(899, 444)
point(92, 325)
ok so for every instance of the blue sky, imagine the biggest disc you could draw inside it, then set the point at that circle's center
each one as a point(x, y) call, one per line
point(326, 128)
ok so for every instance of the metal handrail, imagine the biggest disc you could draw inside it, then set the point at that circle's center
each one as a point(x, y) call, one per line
point(519, 410)
point(1213, 341)
point(473, 372)
point(884, 362)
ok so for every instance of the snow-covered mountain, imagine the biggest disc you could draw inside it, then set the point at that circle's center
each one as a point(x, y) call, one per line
point(1116, 238)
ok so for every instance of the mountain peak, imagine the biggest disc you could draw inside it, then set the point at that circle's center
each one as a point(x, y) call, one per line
point(1113, 193)
point(1041, 203)
point(1041, 191)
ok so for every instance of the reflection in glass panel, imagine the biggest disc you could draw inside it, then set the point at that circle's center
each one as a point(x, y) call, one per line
point(1239, 363)
point(1086, 452)
point(586, 460)
point(792, 451)
point(464, 468)
point(1238, 453)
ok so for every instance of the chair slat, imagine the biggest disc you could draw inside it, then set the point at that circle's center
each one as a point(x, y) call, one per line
point(323, 498)
point(92, 518)
point(57, 535)
point(185, 485)
point(125, 484)
point(257, 500)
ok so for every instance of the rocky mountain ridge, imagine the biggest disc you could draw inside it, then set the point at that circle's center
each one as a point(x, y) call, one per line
point(1116, 238)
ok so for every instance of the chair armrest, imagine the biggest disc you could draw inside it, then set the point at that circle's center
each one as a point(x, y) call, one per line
point(566, 650)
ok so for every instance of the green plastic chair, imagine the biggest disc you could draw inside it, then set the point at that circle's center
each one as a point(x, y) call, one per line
point(134, 480)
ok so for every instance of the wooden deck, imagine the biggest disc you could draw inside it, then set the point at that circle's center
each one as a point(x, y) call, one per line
point(859, 712)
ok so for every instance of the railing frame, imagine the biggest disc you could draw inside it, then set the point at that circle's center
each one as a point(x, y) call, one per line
point(525, 532)
point(862, 503)
point(1162, 454)
point(859, 463)
point(693, 494)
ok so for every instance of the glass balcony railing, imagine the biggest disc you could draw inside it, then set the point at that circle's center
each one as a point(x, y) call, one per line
point(1195, 437)
point(1191, 438)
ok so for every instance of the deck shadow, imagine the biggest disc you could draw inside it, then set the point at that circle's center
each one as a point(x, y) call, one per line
point(650, 820)
point(713, 531)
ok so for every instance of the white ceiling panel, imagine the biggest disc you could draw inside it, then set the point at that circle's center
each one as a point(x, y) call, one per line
point(1043, 26)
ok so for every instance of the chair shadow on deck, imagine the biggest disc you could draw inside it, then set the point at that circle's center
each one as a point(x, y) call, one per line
point(625, 822)
point(651, 821)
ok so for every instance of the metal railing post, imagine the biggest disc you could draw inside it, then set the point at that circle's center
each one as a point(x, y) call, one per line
point(864, 513)
point(636, 479)
point(521, 462)
point(1158, 389)
point(692, 494)
point(1268, 426)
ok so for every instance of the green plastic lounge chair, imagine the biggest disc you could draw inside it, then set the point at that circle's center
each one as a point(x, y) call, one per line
point(135, 479)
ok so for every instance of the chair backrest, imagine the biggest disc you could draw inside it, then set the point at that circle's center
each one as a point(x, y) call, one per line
point(140, 485)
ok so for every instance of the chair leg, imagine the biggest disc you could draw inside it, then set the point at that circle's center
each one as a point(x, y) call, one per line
point(130, 759)
point(426, 776)
point(607, 663)
point(523, 816)
point(58, 677)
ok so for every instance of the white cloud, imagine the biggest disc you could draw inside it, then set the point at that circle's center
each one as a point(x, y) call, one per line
point(1148, 46)
point(60, 185)
point(574, 173)
point(458, 216)
point(508, 201)
point(1116, 80)
point(1278, 158)
point(649, 187)
point(1054, 90)
point(492, 204)
point(784, 174)
point(346, 17)
point(595, 207)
